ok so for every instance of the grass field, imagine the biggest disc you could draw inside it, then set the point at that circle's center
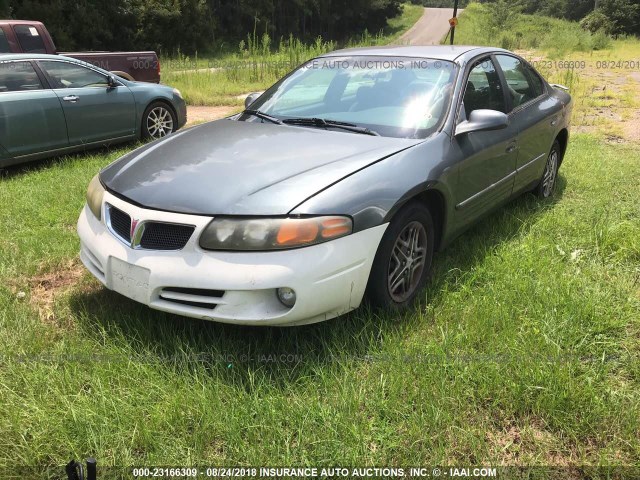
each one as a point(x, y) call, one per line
point(524, 350)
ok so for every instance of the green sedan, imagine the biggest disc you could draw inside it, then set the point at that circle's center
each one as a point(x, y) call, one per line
point(51, 105)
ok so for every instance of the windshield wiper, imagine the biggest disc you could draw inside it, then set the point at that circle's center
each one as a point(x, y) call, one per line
point(321, 122)
point(263, 116)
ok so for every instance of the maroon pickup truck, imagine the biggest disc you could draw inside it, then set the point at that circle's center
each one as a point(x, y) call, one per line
point(24, 36)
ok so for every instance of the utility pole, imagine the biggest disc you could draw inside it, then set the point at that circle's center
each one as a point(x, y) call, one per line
point(455, 14)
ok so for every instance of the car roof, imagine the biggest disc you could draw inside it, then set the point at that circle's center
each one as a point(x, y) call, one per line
point(17, 22)
point(30, 56)
point(451, 53)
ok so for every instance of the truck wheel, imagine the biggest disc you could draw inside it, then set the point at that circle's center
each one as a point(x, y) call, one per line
point(403, 260)
point(158, 121)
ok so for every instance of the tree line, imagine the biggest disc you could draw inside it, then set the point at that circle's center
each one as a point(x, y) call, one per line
point(615, 17)
point(190, 25)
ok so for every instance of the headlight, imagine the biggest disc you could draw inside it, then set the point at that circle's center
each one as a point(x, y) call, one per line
point(272, 233)
point(94, 197)
point(177, 92)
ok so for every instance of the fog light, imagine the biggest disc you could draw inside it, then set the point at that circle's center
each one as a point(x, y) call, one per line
point(286, 296)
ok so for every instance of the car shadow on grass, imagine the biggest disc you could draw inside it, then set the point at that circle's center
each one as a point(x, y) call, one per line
point(20, 169)
point(282, 356)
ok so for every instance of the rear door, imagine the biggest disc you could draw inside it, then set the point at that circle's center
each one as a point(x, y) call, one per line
point(531, 112)
point(487, 168)
point(31, 117)
point(94, 111)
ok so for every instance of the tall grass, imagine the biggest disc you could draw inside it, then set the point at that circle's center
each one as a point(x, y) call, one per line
point(478, 27)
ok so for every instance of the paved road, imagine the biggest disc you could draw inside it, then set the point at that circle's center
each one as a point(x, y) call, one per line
point(430, 29)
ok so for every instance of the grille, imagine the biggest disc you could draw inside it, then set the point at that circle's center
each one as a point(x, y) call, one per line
point(120, 223)
point(193, 297)
point(165, 236)
point(195, 291)
point(155, 236)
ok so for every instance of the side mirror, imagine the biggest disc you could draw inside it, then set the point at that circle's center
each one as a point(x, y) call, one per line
point(111, 81)
point(482, 121)
point(252, 97)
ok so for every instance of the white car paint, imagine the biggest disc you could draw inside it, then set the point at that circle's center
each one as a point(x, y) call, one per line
point(329, 279)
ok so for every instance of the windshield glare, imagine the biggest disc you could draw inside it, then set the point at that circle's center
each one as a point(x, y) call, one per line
point(396, 97)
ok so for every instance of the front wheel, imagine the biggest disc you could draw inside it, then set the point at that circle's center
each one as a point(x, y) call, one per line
point(158, 121)
point(403, 260)
point(547, 183)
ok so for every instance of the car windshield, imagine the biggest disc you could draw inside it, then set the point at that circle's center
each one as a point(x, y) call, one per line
point(391, 96)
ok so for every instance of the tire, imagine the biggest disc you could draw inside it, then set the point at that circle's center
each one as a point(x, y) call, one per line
point(158, 121)
point(547, 183)
point(386, 288)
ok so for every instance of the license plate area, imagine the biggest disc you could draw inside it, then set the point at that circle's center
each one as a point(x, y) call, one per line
point(129, 280)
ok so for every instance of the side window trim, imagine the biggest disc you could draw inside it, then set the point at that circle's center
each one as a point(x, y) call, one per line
point(505, 86)
point(46, 85)
point(465, 83)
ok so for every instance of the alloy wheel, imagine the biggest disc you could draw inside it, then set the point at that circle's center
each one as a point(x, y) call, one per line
point(159, 122)
point(407, 262)
point(550, 174)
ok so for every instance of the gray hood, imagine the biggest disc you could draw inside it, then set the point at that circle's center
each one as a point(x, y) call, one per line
point(228, 167)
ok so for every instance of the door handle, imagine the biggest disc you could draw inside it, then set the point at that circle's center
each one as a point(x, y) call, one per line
point(554, 122)
point(71, 98)
point(512, 147)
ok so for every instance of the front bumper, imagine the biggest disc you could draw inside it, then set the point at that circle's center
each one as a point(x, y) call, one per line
point(231, 287)
point(181, 111)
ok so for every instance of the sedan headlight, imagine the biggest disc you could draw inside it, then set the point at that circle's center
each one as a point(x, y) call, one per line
point(272, 233)
point(95, 193)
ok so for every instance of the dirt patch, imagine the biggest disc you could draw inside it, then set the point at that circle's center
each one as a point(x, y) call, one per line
point(197, 115)
point(42, 290)
point(516, 444)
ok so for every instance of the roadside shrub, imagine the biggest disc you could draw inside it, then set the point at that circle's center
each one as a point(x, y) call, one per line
point(597, 21)
point(499, 23)
point(501, 15)
point(600, 40)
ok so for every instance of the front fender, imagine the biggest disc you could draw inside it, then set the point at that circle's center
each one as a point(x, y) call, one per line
point(373, 195)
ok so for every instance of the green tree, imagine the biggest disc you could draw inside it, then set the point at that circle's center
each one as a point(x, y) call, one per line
point(5, 9)
point(623, 14)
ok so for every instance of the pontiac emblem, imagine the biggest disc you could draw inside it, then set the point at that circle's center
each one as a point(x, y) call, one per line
point(137, 229)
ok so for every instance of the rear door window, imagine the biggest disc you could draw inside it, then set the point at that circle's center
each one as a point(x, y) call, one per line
point(4, 43)
point(521, 87)
point(18, 77)
point(536, 81)
point(29, 38)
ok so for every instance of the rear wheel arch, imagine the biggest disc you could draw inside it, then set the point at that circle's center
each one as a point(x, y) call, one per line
point(563, 140)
